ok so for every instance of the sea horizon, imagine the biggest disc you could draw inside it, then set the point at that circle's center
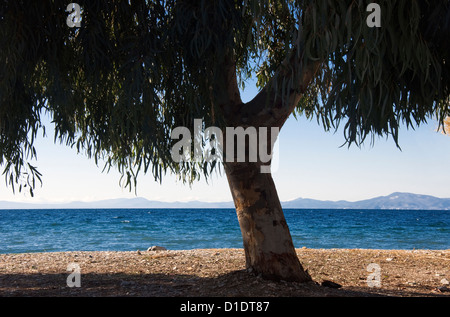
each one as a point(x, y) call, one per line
point(396, 201)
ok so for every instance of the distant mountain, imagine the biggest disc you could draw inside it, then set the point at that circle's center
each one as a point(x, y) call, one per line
point(393, 201)
point(116, 203)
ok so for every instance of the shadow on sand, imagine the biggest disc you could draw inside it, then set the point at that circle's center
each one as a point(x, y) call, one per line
point(234, 284)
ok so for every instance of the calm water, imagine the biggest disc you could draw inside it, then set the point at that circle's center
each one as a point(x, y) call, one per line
point(181, 229)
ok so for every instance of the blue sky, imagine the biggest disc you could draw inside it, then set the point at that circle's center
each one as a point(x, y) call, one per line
point(311, 164)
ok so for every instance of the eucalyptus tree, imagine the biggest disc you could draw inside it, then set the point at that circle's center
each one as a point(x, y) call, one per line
point(118, 82)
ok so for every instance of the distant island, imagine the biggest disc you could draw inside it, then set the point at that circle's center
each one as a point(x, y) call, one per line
point(392, 201)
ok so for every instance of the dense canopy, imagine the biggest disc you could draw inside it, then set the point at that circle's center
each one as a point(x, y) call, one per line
point(118, 85)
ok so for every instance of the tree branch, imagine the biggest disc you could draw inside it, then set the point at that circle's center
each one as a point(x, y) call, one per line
point(269, 107)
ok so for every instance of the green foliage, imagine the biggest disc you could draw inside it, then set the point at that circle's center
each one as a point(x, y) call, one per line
point(376, 78)
point(117, 86)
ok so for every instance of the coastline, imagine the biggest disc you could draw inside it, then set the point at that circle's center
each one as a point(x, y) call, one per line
point(221, 272)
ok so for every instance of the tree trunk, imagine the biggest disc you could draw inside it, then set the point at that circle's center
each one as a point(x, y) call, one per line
point(268, 246)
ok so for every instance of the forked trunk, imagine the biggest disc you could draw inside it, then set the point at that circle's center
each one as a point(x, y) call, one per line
point(268, 246)
point(269, 250)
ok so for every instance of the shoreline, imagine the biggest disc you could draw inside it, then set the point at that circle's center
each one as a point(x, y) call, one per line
point(221, 272)
point(222, 248)
point(205, 249)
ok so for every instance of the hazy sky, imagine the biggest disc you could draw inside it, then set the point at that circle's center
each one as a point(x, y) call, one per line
point(311, 164)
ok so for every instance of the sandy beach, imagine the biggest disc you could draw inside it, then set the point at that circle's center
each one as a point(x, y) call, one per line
point(221, 272)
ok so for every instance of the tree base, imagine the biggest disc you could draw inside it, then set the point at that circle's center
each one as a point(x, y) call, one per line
point(284, 267)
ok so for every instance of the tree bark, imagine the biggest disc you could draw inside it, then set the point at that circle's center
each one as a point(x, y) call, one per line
point(268, 246)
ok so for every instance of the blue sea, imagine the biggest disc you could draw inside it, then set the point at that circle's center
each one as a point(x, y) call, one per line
point(184, 229)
